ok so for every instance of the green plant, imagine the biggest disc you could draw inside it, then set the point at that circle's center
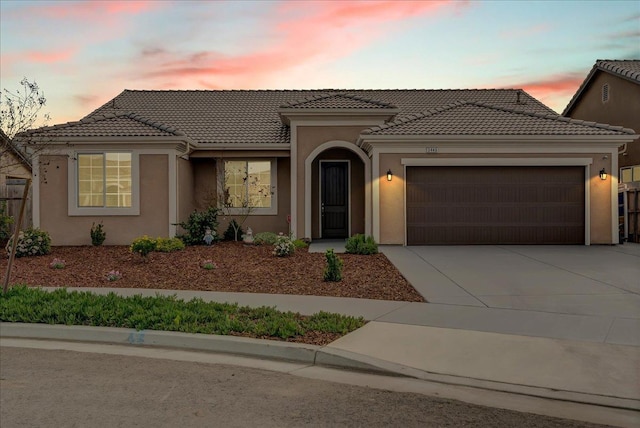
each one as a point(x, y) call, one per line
point(208, 265)
point(5, 221)
point(265, 238)
point(361, 244)
point(169, 245)
point(143, 246)
point(35, 305)
point(333, 271)
point(98, 235)
point(233, 231)
point(283, 246)
point(197, 224)
point(300, 243)
point(31, 242)
point(57, 264)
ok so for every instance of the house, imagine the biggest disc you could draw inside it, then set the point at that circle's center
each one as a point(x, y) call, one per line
point(406, 166)
point(611, 94)
point(13, 162)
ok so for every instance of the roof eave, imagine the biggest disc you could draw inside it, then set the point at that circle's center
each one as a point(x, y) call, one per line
point(287, 113)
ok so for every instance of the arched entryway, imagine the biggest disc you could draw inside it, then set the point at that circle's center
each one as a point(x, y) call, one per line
point(337, 191)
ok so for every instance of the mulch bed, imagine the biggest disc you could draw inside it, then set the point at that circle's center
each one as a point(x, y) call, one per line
point(240, 268)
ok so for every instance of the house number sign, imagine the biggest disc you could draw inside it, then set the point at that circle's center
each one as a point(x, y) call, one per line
point(432, 150)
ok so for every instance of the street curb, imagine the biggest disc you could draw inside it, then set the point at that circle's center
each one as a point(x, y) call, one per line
point(312, 355)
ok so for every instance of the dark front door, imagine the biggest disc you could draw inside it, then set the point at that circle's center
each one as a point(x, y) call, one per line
point(334, 199)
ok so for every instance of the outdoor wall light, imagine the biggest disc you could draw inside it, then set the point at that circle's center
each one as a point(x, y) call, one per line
point(389, 175)
point(603, 174)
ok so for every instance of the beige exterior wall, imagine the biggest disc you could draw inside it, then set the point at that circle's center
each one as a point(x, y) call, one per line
point(622, 109)
point(308, 139)
point(121, 230)
point(392, 194)
point(186, 200)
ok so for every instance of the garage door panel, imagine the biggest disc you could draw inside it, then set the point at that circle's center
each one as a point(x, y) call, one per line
point(495, 205)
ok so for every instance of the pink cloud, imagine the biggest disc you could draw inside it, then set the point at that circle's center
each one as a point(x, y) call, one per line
point(554, 85)
point(298, 33)
point(48, 57)
point(93, 10)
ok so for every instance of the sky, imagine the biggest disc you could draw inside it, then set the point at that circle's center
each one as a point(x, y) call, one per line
point(84, 53)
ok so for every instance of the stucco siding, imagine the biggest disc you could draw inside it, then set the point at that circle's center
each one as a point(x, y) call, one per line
point(121, 230)
point(308, 139)
point(186, 200)
point(622, 109)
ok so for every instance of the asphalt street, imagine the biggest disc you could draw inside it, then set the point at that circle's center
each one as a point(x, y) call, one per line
point(40, 387)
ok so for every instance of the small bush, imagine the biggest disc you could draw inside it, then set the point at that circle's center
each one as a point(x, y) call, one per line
point(31, 242)
point(300, 243)
point(283, 246)
point(265, 238)
point(5, 221)
point(197, 224)
point(230, 233)
point(57, 264)
point(98, 235)
point(169, 245)
point(143, 246)
point(361, 244)
point(114, 275)
point(333, 270)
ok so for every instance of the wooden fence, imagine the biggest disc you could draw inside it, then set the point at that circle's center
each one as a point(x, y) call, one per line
point(11, 193)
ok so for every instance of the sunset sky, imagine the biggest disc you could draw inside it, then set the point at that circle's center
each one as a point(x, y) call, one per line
point(83, 53)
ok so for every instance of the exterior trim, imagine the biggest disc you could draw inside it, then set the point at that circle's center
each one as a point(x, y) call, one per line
point(73, 210)
point(308, 177)
point(35, 182)
point(293, 212)
point(173, 194)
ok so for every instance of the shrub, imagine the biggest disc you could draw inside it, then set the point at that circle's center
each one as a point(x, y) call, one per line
point(208, 265)
point(143, 246)
point(361, 244)
point(5, 221)
point(113, 275)
point(283, 246)
point(57, 264)
point(300, 243)
point(31, 242)
point(169, 245)
point(97, 234)
point(197, 224)
point(265, 238)
point(333, 270)
point(230, 233)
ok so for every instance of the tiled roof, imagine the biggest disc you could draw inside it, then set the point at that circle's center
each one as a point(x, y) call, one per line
point(109, 124)
point(477, 118)
point(628, 69)
point(337, 101)
point(251, 116)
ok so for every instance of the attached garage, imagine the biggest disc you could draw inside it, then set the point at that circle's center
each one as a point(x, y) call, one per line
point(462, 205)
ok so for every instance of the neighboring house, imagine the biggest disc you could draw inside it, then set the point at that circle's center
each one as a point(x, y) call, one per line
point(13, 163)
point(611, 94)
point(406, 166)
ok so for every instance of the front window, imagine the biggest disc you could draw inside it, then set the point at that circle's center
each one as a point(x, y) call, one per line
point(249, 185)
point(104, 180)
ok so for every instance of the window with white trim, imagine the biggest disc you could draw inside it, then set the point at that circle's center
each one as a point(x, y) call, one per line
point(103, 183)
point(250, 184)
point(630, 174)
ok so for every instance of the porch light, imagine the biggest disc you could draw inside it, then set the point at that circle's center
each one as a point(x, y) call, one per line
point(603, 174)
point(389, 175)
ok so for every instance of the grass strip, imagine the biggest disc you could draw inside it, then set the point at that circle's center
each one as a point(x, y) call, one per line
point(34, 305)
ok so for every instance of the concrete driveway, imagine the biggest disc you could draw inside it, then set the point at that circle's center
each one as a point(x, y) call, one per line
point(591, 291)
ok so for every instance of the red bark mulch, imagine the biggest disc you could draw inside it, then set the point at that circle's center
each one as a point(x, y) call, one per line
point(240, 268)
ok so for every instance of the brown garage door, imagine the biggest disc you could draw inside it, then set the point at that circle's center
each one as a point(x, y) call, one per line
point(495, 205)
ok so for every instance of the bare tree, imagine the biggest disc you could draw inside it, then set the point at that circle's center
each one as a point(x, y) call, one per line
point(19, 110)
